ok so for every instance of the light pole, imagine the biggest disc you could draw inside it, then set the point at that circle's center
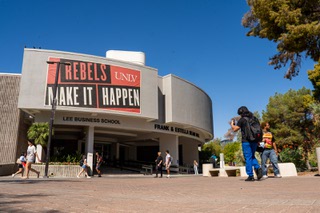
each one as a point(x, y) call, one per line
point(53, 109)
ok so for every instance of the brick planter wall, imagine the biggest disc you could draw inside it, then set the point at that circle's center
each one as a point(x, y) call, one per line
point(57, 170)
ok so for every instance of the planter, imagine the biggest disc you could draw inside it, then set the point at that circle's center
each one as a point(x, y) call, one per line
point(56, 170)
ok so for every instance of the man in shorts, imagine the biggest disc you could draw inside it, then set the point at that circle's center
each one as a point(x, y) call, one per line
point(168, 163)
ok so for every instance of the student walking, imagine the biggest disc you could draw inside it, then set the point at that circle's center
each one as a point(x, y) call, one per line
point(269, 152)
point(31, 157)
point(168, 163)
point(84, 166)
point(21, 165)
point(248, 147)
point(99, 162)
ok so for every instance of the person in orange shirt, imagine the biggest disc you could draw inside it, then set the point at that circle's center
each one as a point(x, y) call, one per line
point(269, 152)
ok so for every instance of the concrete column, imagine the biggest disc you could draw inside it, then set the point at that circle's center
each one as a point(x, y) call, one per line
point(171, 143)
point(117, 151)
point(40, 153)
point(89, 147)
point(318, 157)
point(221, 160)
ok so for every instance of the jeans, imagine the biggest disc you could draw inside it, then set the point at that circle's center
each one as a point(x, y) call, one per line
point(271, 154)
point(195, 168)
point(249, 149)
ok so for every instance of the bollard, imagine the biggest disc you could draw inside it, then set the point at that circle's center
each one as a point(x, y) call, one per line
point(318, 157)
point(221, 160)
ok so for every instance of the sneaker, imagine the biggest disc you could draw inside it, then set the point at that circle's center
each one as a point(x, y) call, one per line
point(88, 176)
point(13, 175)
point(78, 176)
point(264, 177)
point(99, 175)
point(278, 176)
point(250, 178)
point(258, 173)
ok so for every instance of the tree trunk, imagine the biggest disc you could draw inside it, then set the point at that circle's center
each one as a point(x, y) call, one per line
point(306, 157)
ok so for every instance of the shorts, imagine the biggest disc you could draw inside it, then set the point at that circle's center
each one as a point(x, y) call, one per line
point(20, 166)
point(168, 166)
point(83, 166)
point(98, 166)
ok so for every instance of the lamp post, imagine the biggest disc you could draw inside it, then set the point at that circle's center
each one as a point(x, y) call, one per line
point(53, 109)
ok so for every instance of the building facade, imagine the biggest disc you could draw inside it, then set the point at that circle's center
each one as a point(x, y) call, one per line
point(118, 107)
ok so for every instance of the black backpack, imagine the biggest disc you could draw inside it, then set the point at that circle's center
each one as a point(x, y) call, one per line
point(254, 132)
point(81, 163)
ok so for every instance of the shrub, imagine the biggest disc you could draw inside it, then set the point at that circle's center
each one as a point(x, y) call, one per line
point(230, 151)
point(295, 156)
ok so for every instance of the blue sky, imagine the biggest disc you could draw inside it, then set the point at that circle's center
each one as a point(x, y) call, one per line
point(201, 41)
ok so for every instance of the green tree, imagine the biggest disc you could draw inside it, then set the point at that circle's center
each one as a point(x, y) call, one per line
point(291, 122)
point(230, 151)
point(292, 24)
point(209, 148)
point(39, 132)
point(314, 77)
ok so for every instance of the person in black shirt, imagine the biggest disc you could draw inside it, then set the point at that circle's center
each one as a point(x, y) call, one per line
point(248, 147)
point(159, 161)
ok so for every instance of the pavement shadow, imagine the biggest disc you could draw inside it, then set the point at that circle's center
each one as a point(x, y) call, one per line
point(9, 202)
point(35, 181)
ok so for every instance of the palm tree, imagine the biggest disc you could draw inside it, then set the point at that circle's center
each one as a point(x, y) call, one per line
point(39, 132)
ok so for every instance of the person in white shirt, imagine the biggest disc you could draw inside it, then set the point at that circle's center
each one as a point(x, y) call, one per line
point(168, 163)
point(195, 167)
point(31, 156)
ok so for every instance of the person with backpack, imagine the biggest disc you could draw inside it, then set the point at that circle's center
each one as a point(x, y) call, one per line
point(270, 151)
point(251, 133)
point(84, 167)
point(168, 163)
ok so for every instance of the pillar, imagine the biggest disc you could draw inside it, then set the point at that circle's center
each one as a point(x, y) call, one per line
point(171, 143)
point(89, 147)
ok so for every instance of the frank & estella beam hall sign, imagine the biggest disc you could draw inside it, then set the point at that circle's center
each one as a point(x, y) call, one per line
point(94, 85)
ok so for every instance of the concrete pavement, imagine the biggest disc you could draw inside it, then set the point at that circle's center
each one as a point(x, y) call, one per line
point(138, 193)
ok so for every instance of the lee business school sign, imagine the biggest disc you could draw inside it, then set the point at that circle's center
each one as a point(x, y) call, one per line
point(118, 122)
point(94, 85)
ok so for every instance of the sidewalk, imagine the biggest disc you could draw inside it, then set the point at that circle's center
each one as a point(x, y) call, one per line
point(139, 193)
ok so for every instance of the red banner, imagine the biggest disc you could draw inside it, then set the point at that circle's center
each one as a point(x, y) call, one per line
point(94, 85)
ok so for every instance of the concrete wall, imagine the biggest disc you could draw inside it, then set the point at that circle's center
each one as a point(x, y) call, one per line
point(9, 121)
point(187, 104)
point(189, 150)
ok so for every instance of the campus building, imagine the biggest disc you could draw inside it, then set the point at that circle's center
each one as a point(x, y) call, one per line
point(115, 105)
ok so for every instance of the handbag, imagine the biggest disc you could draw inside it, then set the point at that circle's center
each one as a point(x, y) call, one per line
point(18, 161)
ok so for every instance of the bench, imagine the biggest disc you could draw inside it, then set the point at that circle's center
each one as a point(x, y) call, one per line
point(224, 172)
point(147, 169)
point(286, 170)
point(184, 169)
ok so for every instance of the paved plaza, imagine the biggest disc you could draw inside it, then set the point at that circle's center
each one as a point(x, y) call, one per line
point(138, 193)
